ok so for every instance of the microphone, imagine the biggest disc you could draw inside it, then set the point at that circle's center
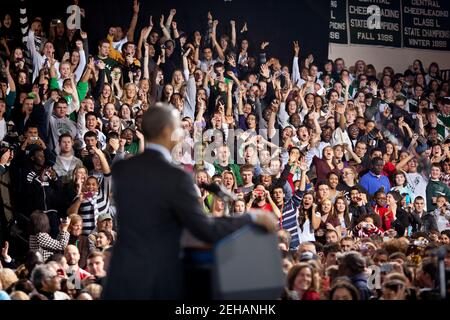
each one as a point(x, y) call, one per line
point(441, 253)
point(219, 191)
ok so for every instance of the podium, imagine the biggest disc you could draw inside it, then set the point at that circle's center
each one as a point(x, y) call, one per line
point(247, 266)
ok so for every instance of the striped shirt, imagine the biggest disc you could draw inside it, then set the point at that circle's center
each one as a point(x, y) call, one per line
point(289, 218)
point(91, 208)
point(24, 27)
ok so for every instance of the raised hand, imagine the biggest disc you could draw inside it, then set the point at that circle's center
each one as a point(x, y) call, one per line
point(5, 253)
point(244, 28)
point(5, 157)
point(136, 5)
point(161, 22)
point(310, 58)
point(374, 87)
point(215, 23)
point(340, 109)
point(231, 61)
point(233, 23)
point(197, 38)
point(188, 51)
point(139, 135)
point(265, 72)
point(221, 108)
point(6, 67)
point(242, 90)
point(145, 32)
point(173, 12)
point(346, 82)
point(387, 112)
point(150, 22)
point(79, 44)
point(303, 165)
point(101, 65)
point(264, 45)
point(296, 48)
point(66, 56)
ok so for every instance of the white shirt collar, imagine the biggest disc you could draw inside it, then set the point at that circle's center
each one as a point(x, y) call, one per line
point(161, 149)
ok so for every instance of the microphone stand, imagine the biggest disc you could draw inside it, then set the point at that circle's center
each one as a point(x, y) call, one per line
point(442, 252)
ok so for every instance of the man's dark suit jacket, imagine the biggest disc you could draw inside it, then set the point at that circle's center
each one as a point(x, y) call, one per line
point(155, 200)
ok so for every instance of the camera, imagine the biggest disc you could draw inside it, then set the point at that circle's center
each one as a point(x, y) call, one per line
point(88, 195)
point(5, 146)
point(54, 22)
point(386, 267)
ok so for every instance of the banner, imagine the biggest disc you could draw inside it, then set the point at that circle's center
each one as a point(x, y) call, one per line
point(419, 24)
point(426, 24)
point(375, 22)
point(338, 21)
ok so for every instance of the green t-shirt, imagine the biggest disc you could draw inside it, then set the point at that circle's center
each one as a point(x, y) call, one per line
point(110, 63)
point(133, 148)
point(445, 120)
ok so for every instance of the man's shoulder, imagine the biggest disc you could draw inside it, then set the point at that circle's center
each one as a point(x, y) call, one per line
point(148, 161)
point(365, 176)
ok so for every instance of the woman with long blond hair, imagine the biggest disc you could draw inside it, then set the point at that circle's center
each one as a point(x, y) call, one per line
point(177, 81)
point(106, 96)
point(130, 95)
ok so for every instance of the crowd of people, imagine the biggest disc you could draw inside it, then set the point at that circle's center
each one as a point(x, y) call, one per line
point(353, 162)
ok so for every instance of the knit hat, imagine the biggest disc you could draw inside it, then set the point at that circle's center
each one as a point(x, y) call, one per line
point(422, 148)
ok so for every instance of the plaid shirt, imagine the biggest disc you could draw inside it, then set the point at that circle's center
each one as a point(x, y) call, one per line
point(445, 178)
point(48, 246)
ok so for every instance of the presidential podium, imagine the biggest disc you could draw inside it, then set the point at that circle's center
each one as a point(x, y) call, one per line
point(245, 265)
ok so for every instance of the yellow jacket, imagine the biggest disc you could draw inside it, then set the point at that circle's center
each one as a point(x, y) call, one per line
point(116, 55)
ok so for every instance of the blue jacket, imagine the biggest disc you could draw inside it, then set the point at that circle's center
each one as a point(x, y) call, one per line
point(372, 183)
point(360, 283)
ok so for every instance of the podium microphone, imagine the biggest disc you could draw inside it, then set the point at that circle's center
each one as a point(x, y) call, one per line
point(442, 252)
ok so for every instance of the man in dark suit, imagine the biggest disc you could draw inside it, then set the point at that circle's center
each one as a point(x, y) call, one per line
point(155, 201)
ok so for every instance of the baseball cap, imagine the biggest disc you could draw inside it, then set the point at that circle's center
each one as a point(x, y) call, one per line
point(104, 216)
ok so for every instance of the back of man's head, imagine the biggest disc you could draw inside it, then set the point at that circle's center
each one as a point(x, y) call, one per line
point(156, 119)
